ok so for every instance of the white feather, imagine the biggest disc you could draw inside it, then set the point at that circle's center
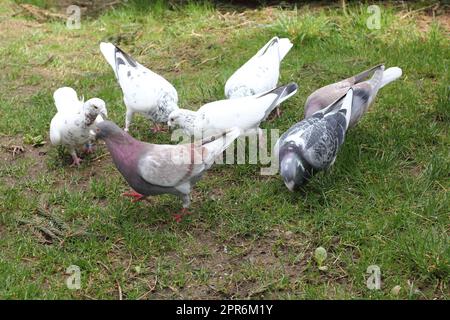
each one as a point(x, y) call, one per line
point(66, 99)
point(347, 105)
point(390, 74)
point(69, 127)
point(144, 91)
point(216, 117)
point(261, 72)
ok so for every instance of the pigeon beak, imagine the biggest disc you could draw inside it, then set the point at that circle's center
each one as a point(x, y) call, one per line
point(92, 134)
point(100, 118)
point(170, 125)
point(290, 185)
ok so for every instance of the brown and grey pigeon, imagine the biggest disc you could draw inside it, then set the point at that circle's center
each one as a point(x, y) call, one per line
point(364, 91)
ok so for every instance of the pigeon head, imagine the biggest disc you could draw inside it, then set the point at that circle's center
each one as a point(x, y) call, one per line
point(293, 169)
point(95, 107)
point(183, 119)
point(107, 129)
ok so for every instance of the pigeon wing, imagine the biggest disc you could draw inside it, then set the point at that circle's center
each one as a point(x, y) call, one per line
point(66, 99)
point(171, 166)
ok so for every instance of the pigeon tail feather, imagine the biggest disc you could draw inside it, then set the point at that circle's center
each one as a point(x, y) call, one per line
point(347, 105)
point(284, 46)
point(363, 75)
point(109, 52)
point(376, 79)
point(389, 75)
point(215, 145)
point(266, 47)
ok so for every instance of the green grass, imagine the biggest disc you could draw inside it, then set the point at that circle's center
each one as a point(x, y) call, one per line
point(385, 202)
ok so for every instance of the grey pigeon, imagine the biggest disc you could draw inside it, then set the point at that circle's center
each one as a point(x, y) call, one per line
point(312, 144)
point(153, 169)
point(364, 91)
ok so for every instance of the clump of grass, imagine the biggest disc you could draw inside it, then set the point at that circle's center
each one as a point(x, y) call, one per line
point(427, 253)
point(304, 26)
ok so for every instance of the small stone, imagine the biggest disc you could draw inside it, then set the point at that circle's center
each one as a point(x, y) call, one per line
point(396, 290)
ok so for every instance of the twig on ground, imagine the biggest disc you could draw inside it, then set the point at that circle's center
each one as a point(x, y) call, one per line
point(41, 15)
point(209, 59)
point(100, 156)
point(436, 5)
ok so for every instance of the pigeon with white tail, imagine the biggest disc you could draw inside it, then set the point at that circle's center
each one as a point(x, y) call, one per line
point(261, 72)
point(74, 119)
point(245, 113)
point(144, 91)
point(365, 91)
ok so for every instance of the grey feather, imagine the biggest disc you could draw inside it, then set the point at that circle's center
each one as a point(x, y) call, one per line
point(152, 169)
point(364, 93)
point(313, 144)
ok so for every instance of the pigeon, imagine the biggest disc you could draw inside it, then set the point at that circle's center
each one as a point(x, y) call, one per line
point(312, 144)
point(74, 119)
point(144, 91)
point(153, 169)
point(261, 72)
point(364, 91)
point(245, 113)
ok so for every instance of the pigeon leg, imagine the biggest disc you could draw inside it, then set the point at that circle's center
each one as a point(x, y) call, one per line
point(76, 161)
point(89, 148)
point(137, 196)
point(275, 115)
point(157, 128)
point(186, 202)
point(178, 217)
point(128, 118)
point(278, 112)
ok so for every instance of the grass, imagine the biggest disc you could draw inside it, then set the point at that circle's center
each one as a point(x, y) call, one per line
point(385, 202)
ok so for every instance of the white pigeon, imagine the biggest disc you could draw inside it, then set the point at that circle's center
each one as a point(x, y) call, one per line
point(144, 91)
point(245, 113)
point(261, 72)
point(73, 120)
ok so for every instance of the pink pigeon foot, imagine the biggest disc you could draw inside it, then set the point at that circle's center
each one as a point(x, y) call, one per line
point(157, 128)
point(137, 196)
point(179, 216)
point(278, 112)
point(89, 148)
point(76, 161)
point(276, 115)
